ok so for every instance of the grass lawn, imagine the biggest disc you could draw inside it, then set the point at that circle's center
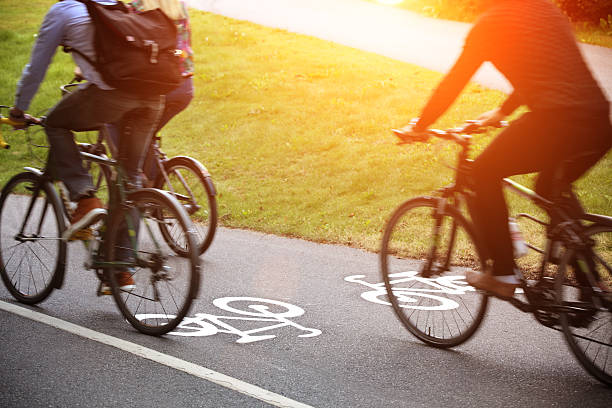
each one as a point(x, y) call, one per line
point(294, 130)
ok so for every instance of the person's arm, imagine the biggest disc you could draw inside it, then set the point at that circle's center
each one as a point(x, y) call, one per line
point(495, 116)
point(447, 91)
point(49, 38)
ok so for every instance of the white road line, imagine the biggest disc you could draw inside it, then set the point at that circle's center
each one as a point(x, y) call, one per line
point(150, 354)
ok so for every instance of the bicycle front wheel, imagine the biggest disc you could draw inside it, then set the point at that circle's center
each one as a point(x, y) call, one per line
point(165, 283)
point(426, 251)
point(586, 317)
point(188, 181)
point(32, 253)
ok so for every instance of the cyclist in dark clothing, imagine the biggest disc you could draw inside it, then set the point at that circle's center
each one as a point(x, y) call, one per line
point(532, 44)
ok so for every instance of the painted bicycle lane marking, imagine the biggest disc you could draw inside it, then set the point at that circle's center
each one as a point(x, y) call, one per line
point(176, 363)
point(257, 311)
point(407, 296)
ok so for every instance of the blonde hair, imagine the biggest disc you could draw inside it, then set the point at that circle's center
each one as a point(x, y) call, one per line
point(172, 8)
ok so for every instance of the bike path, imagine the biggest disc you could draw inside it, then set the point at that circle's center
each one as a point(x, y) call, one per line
point(389, 31)
point(337, 350)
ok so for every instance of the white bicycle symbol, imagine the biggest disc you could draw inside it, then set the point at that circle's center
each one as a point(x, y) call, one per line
point(258, 310)
point(409, 296)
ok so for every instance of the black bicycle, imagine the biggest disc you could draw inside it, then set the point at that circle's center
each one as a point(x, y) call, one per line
point(429, 244)
point(126, 239)
point(183, 176)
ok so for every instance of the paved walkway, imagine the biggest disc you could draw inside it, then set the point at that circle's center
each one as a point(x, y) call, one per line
point(396, 33)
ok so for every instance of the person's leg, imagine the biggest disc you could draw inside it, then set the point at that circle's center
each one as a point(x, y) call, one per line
point(176, 101)
point(555, 183)
point(84, 109)
point(136, 130)
point(534, 142)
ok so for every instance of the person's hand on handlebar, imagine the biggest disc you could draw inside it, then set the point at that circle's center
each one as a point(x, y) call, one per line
point(408, 133)
point(493, 118)
point(20, 119)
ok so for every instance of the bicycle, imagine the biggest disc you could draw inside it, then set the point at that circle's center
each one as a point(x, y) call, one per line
point(34, 245)
point(183, 176)
point(428, 243)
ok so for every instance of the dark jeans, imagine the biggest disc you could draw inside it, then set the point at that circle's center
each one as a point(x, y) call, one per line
point(176, 101)
point(540, 142)
point(90, 108)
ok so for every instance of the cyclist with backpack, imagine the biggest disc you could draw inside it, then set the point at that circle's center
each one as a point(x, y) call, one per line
point(179, 98)
point(68, 23)
point(532, 43)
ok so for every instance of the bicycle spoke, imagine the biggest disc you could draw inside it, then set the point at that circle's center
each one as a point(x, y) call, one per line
point(434, 303)
point(587, 330)
point(33, 251)
point(164, 283)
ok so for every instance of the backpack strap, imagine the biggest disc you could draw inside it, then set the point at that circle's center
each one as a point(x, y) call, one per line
point(87, 3)
point(67, 49)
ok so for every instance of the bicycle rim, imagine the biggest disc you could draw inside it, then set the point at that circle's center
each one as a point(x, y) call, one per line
point(31, 251)
point(588, 326)
point(425, 277)
point(187, 182)
point(165, 283)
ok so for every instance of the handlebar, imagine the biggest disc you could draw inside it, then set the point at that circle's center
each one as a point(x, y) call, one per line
point(460, 135)
point(73, 83)
point(28, 121)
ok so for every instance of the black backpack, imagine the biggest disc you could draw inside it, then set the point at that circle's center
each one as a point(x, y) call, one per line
point(135, 52)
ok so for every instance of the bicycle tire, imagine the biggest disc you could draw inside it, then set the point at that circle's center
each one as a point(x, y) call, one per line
point(588, 328)
point(32, 259)
point(191, 185)
point(166, 283)
point(438, 307)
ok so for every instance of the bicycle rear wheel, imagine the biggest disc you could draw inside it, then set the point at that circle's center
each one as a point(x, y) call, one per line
point(165, 283)
point(190, 184)
point(424, 257)
point(586, 317)
point(32, 253)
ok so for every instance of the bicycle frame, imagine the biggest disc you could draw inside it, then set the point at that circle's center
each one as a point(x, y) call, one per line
point(568, 229)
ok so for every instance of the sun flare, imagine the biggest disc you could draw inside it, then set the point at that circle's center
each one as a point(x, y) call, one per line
point(391, 2)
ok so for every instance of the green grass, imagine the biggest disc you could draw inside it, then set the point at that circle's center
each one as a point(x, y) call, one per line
point(294, 130)
point(467, 12)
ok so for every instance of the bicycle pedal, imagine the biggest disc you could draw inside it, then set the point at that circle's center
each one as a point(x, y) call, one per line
point(83, 225)
point(103, 289)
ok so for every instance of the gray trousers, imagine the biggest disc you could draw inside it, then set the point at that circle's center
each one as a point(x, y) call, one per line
point(87, 109)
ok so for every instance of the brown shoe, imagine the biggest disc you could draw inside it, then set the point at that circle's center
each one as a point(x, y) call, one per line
point(125, 281)
point(89, 210)
point(488, 283)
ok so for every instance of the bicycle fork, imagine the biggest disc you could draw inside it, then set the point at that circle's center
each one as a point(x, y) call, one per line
point(430, 267)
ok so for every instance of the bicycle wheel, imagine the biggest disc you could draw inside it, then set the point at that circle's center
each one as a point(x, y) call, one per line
point(165, 283)
point(587, 325)
point(424, 258)
point(189, 182)
point(32, 254)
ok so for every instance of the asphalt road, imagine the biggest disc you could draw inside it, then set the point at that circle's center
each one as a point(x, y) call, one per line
point(320, 344)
